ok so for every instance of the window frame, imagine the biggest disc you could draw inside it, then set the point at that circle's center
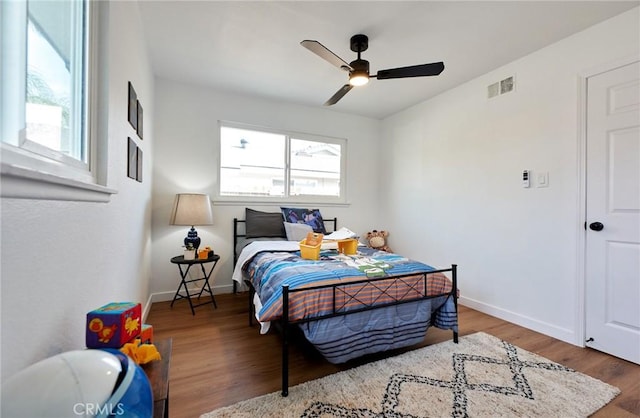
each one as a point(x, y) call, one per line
point(29, 170)
point(287, 198)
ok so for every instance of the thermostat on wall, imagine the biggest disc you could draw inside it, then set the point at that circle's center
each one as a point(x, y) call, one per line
point(526, 182)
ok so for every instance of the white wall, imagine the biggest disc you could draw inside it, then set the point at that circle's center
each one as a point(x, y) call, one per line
point(186, 148)
point(453, 181)
point(61, 259)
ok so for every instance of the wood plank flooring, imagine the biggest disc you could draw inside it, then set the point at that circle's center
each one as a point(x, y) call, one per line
point(219, 360)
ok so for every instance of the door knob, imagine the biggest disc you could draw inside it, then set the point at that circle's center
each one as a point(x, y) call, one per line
point(596, 226)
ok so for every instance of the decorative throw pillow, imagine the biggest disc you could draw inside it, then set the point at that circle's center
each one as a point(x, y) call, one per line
point(297, 232)
point(263, 224)
point(311, 217)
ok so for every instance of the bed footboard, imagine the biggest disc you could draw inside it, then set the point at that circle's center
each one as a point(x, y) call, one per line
point(339, 306)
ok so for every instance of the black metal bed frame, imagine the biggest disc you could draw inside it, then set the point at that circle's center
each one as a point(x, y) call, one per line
point(340, 309)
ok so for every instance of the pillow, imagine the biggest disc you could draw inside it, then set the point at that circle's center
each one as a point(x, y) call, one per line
point(310, 217)
point(296, 232)
point(263, 224)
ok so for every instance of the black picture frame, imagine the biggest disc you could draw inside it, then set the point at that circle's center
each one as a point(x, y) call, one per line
point(132, 159)
point(139, 119)
point(133, 107)
point(139, 165)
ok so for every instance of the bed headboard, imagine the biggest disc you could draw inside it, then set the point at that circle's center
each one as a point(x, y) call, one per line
point(239, 233)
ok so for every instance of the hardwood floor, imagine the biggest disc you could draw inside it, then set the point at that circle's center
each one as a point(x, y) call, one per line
point(219, 360)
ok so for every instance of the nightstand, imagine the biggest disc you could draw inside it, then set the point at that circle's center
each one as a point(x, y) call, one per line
point(184, 266)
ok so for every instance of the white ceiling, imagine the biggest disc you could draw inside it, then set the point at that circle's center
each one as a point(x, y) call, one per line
point(253, 48)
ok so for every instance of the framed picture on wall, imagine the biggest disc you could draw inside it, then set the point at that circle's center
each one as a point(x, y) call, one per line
point(133, 107)
point(139, 128)
point(132, 159)
point(139, 165)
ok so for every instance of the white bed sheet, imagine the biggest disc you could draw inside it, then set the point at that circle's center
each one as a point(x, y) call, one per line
point(256, 247)
point(247, 254)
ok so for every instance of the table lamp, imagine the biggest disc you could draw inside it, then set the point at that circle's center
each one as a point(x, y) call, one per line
point(192, 209)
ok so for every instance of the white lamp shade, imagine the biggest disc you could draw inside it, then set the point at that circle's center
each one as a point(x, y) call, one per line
point(192, 209)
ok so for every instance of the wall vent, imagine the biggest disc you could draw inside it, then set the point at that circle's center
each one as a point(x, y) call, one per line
point(501, 87)
point(493, 90)
point(506, 85)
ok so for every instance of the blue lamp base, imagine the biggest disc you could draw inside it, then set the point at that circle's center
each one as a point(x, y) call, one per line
point(192, 238)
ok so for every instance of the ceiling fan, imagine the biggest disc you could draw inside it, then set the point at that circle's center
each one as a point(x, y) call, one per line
point(359, 68)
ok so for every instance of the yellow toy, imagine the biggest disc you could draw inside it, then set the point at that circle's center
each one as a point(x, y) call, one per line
point(141, 353)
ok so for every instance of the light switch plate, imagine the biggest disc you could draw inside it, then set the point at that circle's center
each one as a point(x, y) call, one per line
point(542, 179)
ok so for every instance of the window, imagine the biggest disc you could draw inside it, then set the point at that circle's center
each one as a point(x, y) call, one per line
point(55, 78)
point(263, 164)
point(49, 77)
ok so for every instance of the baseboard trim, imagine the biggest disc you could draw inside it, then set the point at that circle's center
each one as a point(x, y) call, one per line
point(167, 296)
point(533, 324)
point(147, 308)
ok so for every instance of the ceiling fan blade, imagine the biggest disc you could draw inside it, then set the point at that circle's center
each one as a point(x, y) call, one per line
point(422, 70)
point(339, 94)
point(324, 53)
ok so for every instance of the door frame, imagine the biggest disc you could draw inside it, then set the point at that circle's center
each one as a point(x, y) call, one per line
point(581, 232)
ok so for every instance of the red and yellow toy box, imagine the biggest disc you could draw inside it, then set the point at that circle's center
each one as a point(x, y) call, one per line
point(146, 335)
point(113, 325)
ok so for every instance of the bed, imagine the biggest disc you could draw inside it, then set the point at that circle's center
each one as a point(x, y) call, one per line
point(346, 306)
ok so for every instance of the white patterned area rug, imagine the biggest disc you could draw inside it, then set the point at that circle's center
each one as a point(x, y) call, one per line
point(481, 376)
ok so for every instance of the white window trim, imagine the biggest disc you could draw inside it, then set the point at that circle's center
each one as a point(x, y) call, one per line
point(26, 183)
point(313, 200)
point(31, 175)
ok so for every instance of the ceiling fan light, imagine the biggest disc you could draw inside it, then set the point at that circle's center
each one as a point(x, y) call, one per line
point(358, 78)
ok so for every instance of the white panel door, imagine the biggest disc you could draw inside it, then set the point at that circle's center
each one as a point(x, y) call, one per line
point(613, 212)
